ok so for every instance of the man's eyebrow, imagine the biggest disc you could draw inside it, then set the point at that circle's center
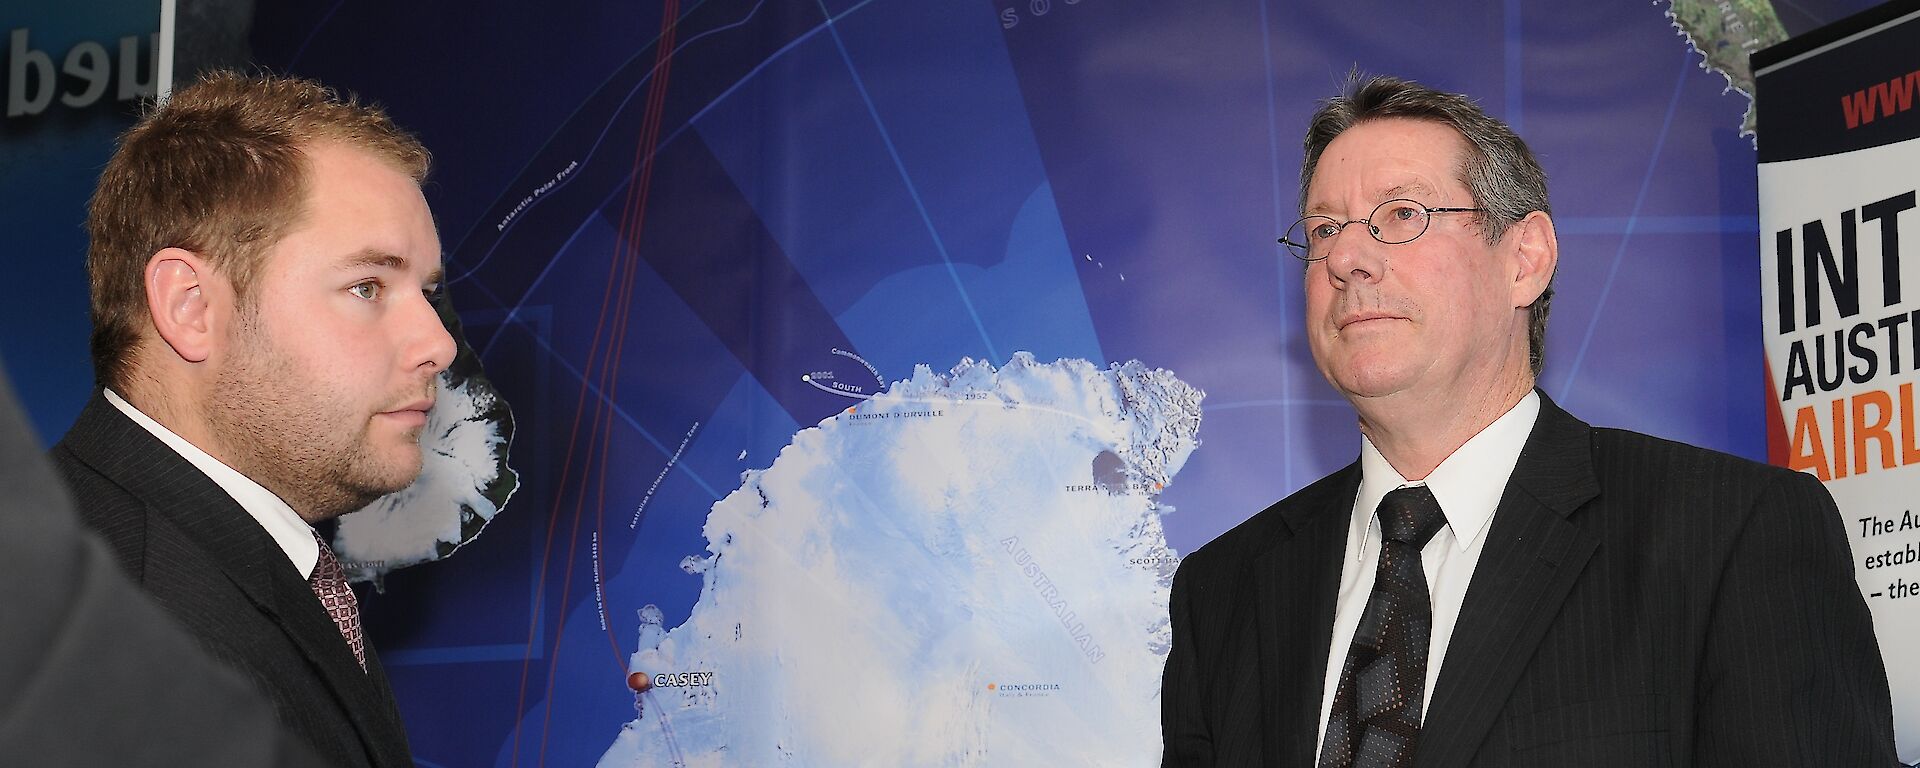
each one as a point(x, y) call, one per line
point(1403, 190)
point(374, 257)
point(1396, 192)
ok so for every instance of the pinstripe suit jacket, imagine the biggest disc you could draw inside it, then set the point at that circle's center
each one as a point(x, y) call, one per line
point(209, 564)
point(1639, 602)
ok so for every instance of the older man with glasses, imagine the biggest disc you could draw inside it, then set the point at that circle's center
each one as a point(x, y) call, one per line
point(1494, 582)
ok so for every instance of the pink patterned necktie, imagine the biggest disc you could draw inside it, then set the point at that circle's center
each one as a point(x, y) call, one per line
point(329, 583)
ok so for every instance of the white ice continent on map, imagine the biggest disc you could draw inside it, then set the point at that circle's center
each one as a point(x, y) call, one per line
point(968, 569)
point(424, 521)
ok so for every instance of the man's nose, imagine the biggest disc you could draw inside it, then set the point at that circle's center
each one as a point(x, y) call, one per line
point(1353, 255)
point(432, 347)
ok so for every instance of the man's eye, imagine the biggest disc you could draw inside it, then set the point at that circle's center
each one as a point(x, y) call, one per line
point(1324, 231)
point(369, 290)
point(431, 291)
point(1403, 213)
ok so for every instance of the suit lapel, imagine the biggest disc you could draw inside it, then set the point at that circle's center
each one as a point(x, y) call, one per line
point(1532, 557)
point(235, 543)
point(383, 714)
point(1297, 582)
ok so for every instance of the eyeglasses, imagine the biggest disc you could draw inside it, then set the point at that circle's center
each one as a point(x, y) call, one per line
point(1393, 222)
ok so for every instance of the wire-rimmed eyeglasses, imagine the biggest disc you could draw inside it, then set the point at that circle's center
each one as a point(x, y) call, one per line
point(1393, 222)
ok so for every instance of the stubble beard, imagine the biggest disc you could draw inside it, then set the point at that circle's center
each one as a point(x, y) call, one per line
point(296, 437)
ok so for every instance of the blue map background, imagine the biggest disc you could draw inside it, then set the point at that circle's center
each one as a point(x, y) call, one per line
point(917, 183)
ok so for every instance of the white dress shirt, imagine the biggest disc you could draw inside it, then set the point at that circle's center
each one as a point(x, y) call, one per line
point(1468, 485)
point(293, 534)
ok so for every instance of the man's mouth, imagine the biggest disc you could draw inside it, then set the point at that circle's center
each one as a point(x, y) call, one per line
point(1362, 317)
point(413, 412)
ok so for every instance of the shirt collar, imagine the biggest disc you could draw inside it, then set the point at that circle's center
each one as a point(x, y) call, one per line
point(1468, 483)
point(294, 536)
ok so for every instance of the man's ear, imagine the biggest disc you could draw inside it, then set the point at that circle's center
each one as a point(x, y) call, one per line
point(177, 284)
point(1536, 252)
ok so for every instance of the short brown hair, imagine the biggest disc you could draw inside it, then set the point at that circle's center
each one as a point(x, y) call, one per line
point(1498, 169)
point(218, 169)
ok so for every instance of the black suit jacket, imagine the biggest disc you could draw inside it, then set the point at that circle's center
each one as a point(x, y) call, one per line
point(211, 565)
point(1638, 602)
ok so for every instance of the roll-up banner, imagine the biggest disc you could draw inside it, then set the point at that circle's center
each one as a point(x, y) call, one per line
point(1839, 148)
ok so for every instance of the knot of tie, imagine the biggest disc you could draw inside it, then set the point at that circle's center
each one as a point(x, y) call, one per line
point(1411, 515)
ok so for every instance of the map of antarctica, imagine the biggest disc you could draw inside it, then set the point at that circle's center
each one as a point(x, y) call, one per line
point(858, 579)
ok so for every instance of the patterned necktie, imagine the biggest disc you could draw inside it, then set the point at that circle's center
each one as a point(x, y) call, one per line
point(1375, 722)
point(329, 582)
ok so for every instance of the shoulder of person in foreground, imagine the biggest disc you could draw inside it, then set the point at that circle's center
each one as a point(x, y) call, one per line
point(96, 674)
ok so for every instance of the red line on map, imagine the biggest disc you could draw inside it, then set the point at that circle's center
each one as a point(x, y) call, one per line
point(621, 272)
point(633, 225)
point(553, 515)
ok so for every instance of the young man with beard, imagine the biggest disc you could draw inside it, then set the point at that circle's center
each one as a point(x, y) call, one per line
point(261, 266)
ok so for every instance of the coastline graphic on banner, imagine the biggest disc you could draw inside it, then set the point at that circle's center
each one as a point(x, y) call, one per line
point(1840, 269)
